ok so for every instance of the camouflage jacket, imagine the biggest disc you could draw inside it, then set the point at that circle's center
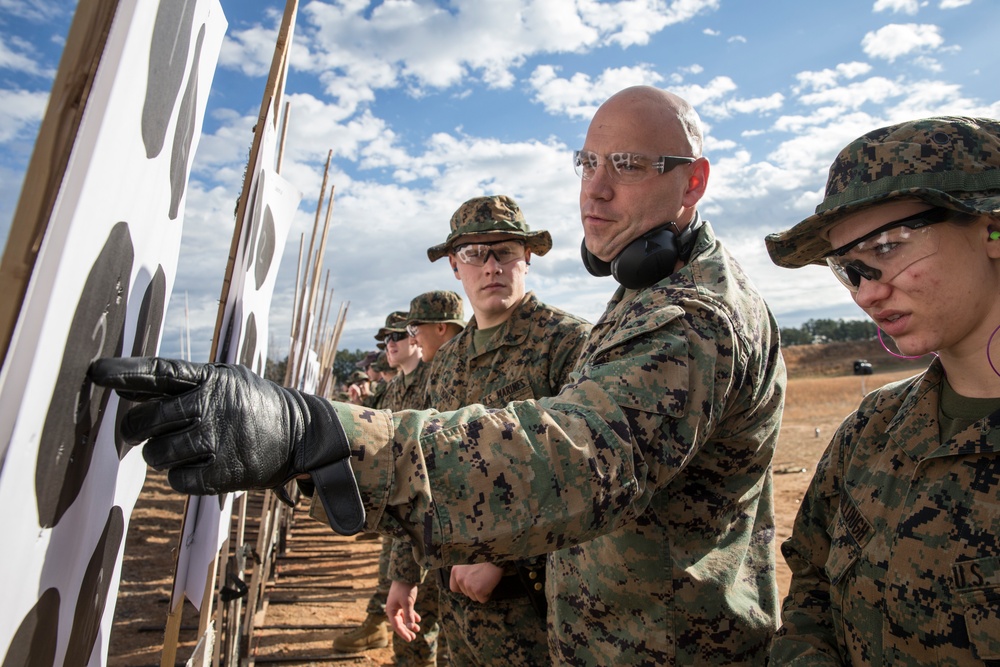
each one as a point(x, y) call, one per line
point(530, 356)
point(648, 476)
point(894, 554)
point(406, 391)
point(378, 389)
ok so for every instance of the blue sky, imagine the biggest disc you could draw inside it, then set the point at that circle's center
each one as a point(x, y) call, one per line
point(426, 104)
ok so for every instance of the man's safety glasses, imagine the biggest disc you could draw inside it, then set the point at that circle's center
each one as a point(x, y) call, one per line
point(395, 336)
point(477, 254)
point(884, 253)
point(625, 167)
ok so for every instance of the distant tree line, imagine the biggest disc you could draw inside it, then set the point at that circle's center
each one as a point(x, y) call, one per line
point(828, 331)
point(343, 365)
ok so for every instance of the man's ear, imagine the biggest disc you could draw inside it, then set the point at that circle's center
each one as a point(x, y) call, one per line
point(527, 257)
point(697, 182)
point(454, 266)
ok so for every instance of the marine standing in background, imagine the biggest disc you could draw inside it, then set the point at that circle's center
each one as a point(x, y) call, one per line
point(514, 348)
point(405, 390)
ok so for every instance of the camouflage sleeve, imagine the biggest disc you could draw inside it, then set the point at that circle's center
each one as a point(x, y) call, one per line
point(566, 354)
point(402, 566)
point(478, 484)
point(807, 635)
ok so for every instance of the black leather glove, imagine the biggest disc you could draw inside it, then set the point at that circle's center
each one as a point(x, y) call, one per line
point(218, 428)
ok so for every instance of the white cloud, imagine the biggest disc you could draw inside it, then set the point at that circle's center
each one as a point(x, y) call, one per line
point(899, 39)
point(34, 10)
point(356, 50)
point(875, 89)
point(702, 97)
point(580, 95)
point(19, 111)
point(632, 22)
point(737, 39)
point(829, 77)
point(710, 32)
point(897, 6)
point(756, 105)
point(954, 4)
point(19, 60)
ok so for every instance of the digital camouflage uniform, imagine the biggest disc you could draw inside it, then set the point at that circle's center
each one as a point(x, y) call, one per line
point(648, 476)
point(408, 392)
point(531, 355)
point(895, 554)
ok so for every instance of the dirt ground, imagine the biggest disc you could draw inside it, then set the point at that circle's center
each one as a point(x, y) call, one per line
point(324, 580)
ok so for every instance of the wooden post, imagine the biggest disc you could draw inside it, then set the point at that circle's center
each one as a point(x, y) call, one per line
point(273, 91)
point(78, 64)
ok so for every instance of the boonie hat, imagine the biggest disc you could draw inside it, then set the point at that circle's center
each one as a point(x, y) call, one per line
point(367, 361)
point(395, 322)
point(437, 306)
point(493, 215)
point(357, 376)
point(949, 161)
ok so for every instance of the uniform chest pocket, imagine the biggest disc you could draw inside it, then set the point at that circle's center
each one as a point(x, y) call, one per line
point(977, 589)
point(848, 536)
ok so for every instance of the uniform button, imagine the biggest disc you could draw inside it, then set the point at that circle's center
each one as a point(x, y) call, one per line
point(532, 574)
point(538, 587)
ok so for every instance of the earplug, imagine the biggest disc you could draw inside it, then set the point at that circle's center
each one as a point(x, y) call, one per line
point(994, 236)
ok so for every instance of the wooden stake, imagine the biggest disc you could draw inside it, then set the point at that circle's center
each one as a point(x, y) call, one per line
point(78, 64)
point(272, 97)
point(284, 135)
point(273, 91)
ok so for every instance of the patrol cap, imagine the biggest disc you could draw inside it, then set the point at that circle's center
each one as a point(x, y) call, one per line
point(437, 306)
point(493, 215)
point(382, 363)
point(395, 322)
point(950, 162)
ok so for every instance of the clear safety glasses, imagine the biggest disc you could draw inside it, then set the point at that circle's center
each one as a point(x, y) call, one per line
point(625, 167)
point(477, 254)
point(884, 253)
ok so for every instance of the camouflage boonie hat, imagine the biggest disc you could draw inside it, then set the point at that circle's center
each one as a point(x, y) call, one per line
point(496, 215)
point(949, 162)
point(382, 363)
point(367, 361)
point(356, 377)
point(394, 323)
point(436, 306)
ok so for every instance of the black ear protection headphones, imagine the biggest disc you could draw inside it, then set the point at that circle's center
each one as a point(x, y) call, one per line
point(648, 259)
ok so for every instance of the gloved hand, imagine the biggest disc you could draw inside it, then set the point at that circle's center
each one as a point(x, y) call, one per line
point(218, 428)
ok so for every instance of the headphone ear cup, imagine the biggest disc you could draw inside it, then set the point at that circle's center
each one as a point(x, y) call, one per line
point(595, 265)
point(647, 260)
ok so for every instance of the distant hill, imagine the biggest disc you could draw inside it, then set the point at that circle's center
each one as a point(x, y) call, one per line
point(833, 359)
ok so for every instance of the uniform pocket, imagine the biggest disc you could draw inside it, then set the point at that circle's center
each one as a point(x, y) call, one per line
point(850, 532)
point(978, 591)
